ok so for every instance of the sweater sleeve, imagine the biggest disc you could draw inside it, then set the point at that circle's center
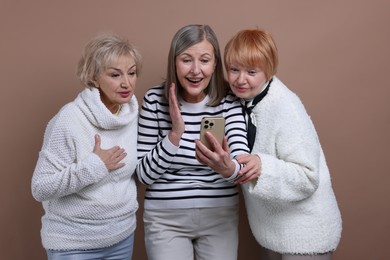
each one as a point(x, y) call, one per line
point(290, 161)
point(155, 151)
point(58, 172)
point(235, 128)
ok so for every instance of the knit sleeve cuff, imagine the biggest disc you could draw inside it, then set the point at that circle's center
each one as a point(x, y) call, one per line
point(169, 146)
point(235, 175)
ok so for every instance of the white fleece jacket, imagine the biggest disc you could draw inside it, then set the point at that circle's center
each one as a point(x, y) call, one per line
point(291, 206)
point(86, 207)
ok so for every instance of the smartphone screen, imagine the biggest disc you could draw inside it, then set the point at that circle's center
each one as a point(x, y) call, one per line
point(214, 125)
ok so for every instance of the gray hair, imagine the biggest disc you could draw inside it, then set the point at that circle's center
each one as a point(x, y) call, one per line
point(184, 38)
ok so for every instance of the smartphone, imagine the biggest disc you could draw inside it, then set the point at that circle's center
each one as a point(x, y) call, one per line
point(214, 125)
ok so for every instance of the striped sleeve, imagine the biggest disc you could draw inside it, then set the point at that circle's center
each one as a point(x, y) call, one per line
point(235, 130)
point(155, 152)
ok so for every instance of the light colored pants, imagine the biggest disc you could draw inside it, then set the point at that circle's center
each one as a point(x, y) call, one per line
point(271, 255)
point(121, 251)
point(209, 233)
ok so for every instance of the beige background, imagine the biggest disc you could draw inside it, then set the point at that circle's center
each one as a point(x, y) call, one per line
point(333, 54)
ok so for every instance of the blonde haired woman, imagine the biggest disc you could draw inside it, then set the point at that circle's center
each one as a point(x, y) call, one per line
point(84, 174)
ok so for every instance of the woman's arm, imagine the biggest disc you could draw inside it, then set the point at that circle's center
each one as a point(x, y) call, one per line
point(155, 152)
point(290, 153)
point(222, 158)
point(58, 173)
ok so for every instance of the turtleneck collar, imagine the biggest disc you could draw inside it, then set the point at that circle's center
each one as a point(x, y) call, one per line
point(98, 114)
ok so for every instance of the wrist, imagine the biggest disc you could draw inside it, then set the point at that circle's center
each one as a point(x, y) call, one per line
point(174, 138)
point(233, 169)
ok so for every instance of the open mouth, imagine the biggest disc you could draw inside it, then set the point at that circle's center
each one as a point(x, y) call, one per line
point(195, 81)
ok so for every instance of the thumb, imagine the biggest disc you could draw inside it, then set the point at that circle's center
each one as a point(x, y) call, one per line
point(97, 143)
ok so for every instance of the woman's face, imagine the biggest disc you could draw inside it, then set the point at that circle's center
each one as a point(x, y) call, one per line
point(245, 82)
point(117, 82)
point(194, 68)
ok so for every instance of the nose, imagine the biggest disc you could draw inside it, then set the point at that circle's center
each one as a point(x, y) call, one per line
point(241, 78)
point(195, 68)
point(125, 82)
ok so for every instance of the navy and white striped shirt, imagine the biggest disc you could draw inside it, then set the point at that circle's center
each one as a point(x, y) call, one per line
point(175, 178)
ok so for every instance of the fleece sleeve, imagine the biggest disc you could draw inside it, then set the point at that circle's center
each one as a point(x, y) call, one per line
point(290, 166)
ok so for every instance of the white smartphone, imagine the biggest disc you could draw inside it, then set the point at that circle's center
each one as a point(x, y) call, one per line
point(214, 125)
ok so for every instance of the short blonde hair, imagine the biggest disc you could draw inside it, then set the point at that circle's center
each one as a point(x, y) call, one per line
point(252, 48)
point(100, 52)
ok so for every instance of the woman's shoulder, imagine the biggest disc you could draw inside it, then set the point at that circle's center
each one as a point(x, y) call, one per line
point(155, 93)
point(68, 112)
point(155, 90)
point(280, 88)
point(155, 97)
point(64, 121)
point(280, 95)
point(230, 95)
point(280, 101)
point(231, 98)
point(229, 102)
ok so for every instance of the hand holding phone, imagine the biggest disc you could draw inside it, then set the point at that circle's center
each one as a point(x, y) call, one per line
point(214, 125)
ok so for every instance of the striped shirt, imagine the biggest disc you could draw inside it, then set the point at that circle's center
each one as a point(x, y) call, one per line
point(174, 177)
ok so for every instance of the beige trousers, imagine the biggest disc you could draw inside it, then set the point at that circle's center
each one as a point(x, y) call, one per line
point(181, 234)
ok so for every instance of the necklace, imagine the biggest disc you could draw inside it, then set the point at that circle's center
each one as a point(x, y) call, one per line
point(118, 111)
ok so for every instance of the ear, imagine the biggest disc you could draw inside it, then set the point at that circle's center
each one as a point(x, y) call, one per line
point(95, 81)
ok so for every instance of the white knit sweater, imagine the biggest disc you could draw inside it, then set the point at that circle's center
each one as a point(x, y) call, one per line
point(86, 206)
point(291, 207)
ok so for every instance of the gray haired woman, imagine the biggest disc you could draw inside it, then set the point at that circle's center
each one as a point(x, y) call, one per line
point(190, 208)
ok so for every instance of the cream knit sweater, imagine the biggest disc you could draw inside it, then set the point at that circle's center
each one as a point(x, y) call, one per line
point(291, 207)
point(86, 206)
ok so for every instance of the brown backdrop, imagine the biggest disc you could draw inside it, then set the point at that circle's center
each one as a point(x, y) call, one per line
point(333, 54)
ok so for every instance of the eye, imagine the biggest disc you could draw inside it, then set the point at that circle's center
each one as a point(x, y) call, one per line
point(233, 69)
point(205, 61)
point(115, 75)
point(132, 73)
point(252, 72)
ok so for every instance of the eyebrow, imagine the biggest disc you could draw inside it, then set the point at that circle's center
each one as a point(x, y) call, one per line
point(203, 54)
point(134, 65)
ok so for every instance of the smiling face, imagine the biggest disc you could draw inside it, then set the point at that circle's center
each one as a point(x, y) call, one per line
point(245, 82)
point(194, 69)
point(117, 82)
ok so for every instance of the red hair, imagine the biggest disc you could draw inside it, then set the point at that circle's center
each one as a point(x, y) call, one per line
point(252, 48)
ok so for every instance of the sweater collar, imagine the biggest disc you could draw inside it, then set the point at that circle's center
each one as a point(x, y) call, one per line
point(97, 113)
point(250, 103)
